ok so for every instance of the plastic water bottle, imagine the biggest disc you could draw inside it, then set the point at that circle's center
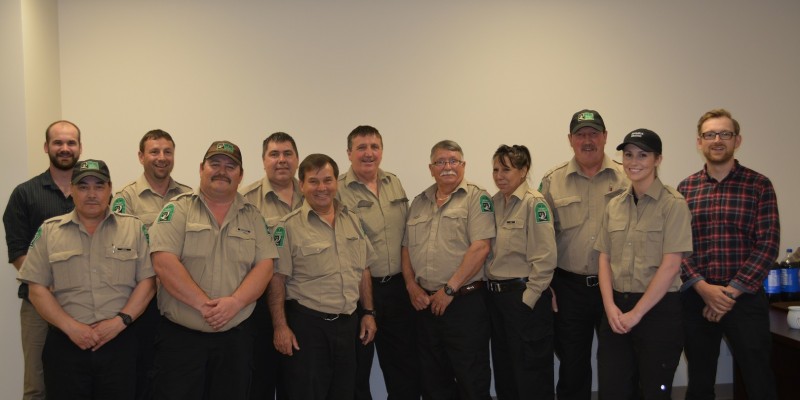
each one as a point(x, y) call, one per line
point(790, 284)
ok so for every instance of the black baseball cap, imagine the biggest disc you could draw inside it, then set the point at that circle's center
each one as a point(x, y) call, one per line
point(96, 168)
point(644, 139)
point(585, 118)
point(226, 148)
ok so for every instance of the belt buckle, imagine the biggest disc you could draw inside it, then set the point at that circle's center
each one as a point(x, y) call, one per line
point(331, 317)
point(592, 281)
point(494, 286)
point(386, 278)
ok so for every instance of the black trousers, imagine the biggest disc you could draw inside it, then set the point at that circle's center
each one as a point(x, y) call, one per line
point(454, 350)
point(643, 361)
point(746, 328)
point(265, 357)
point(74, 374)
point(198, 365)
point(522, 346)
point(146, 328)
point(396, 343)
point(580, 309)
point(324, 367)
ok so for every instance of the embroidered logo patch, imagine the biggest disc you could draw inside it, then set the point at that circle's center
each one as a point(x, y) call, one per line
point(542, 213)
point(486, 204)
point(586, 116)
point(279, 237)
point(146, 233)
point(166, 213)
point(119, 206)
point(36, 236)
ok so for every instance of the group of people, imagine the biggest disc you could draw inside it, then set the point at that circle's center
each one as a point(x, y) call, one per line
point(289, 285)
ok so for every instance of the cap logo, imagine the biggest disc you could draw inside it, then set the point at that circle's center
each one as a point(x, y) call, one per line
point(586, 116)
point(226, 147)
point(637, 134)
point(90, 165)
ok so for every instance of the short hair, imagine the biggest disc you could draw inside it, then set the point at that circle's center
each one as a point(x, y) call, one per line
point(278, 137)
point(518, 155)
point(362, 130)
point(155, 134)
point(61, 121)
point(446, 145)
point(717, 113)
point(317, 162)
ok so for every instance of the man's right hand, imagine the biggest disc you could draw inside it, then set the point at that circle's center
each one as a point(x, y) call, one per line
point(82, 335)
point(284, 340)
point(715, 297)
point(419, 297)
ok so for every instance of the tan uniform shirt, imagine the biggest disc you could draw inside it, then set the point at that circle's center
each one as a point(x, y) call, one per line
point(92, 276)
point(322, 265)
point(525, 246)
point(383, 218)
point(272, 208)
point(438, 237)
point(218, 258)
point(578, 203)
point(637, 236)
point(138, 198)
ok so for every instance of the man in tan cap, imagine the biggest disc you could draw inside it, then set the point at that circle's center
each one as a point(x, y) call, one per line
point(213, 255)
point(98, 267)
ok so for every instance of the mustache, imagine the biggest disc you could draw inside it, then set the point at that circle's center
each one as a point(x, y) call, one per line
point(221, 178)
point(448, 172)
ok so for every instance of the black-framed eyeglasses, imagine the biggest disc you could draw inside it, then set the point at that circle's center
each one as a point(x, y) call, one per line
point(711, 135)
point(452, 162)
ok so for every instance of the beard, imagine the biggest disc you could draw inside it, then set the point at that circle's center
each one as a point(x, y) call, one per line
point(63, 165)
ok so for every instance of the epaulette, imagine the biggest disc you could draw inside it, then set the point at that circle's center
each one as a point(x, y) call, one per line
point(554, 169)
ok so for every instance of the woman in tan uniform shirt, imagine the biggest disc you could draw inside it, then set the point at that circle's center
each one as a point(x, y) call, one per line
point(644, 234)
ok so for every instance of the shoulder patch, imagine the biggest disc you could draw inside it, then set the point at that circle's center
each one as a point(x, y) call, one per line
point(36, 236)
point(279, 237)
point(542, 213)
point(119, 206)
point(146, 233)
point(166, 213)
point(486, 204)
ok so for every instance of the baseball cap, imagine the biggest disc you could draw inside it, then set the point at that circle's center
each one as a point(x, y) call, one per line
point(226, 148)
point(96, 168)
point(644, 139)
point(585, 118)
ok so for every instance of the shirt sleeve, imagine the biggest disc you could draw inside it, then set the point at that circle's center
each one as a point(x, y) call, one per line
point(750, 276)
point(689, 272)
point(144, 266)
point(678, 229)
point(283, 265)
point(36, 268)
point(603, 241)
point(541, 250)
point(481, 223)
point(265, 246)
point(16, 220)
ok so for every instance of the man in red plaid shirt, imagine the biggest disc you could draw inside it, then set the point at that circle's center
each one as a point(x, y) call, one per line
point(736, 233)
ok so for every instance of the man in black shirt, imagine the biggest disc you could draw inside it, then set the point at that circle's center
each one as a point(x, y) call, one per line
point(42, 197)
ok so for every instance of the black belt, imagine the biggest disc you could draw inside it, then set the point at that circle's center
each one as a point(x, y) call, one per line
point(588, 280)
point(464, 290)
point(377, 280)
point(506, 285)
point(296, 306)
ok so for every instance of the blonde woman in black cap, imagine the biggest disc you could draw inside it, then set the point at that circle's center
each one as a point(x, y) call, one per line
point(644, 235)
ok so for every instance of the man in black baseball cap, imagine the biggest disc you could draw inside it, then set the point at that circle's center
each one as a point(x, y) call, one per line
point(96, 168)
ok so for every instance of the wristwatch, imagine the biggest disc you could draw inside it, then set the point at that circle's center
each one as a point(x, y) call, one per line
point(449, 291)
point(365, 311)
point(126, 319)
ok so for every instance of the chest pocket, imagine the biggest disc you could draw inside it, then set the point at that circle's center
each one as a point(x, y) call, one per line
point(241, 246)
point(454, 225)
point(67, 269)
point(511, 236)
point(121, 261)
point(652, 243)
point(570, 212)
point(199, 241)
point(418, 229)
point(317, 259)
point(618, 236)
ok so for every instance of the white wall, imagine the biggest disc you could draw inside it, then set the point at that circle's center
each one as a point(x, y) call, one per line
point(481, 73)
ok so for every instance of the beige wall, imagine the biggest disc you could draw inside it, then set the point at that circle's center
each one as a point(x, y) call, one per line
point(481, 73)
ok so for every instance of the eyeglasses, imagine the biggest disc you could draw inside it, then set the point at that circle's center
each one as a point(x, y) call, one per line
point(452, 162)
point(711, 135)
point(583, 135)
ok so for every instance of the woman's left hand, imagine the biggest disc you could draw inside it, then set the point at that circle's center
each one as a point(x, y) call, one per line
point(629, 320)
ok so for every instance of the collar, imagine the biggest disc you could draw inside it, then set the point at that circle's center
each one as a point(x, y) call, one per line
point(654, 191)
point(734, 171)
point(142, 184)
point(430, 192)
point(573, 167)
point(306, 211)
point(351, 178)
point(72, 218)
